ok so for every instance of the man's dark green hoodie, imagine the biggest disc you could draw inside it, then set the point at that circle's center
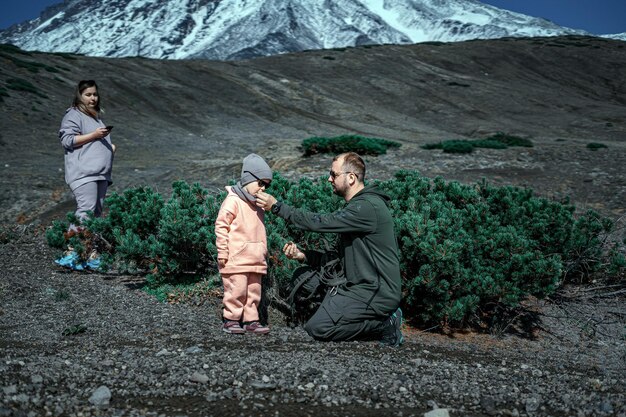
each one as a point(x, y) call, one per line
point(367, 247)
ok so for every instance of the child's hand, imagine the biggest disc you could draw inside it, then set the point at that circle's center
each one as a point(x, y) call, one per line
point(221, 262)
point(291, 251)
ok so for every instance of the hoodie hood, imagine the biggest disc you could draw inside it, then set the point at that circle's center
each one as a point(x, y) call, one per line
point(373, 189)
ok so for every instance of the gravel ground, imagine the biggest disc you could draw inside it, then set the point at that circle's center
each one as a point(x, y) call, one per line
point(138, 357)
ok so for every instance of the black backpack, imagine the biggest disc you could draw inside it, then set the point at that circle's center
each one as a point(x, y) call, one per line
point(310, 286)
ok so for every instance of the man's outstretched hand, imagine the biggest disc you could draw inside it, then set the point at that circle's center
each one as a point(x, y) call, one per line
point(265, 200)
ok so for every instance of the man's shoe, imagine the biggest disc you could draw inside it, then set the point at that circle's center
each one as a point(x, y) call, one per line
point(256, 328)
point(232, 327)
point(392, 335)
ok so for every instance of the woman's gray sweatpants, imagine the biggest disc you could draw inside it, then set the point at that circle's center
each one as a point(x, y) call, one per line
point(90, 197)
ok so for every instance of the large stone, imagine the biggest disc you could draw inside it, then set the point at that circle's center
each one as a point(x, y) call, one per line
point(100, 396)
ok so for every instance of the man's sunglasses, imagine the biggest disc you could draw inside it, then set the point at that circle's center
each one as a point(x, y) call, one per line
point(334, 174)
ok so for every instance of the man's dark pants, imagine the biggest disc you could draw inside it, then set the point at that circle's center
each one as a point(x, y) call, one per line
point(341, 317)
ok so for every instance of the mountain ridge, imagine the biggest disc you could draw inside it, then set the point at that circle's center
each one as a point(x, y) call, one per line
point(241, 29)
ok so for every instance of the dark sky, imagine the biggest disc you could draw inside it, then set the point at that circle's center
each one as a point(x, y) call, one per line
point(595, 16)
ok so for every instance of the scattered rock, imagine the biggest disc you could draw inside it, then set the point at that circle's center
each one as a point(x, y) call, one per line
point(199, 378)
point(439, 412)
point(100, 396)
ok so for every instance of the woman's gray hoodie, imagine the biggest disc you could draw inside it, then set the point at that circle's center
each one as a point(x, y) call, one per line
point(92, 161)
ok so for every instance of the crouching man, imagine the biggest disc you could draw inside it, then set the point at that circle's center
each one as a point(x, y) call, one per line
point(366, 306)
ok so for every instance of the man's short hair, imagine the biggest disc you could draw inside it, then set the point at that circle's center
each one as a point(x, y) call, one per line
point(352, 162)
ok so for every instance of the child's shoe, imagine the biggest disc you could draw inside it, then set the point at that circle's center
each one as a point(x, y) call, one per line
point(232, 327)
point(256, 327)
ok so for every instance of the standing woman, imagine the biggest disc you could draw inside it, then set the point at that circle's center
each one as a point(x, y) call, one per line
point(88, 152)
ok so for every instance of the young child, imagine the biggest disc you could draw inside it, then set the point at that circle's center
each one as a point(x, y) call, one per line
point(242, 247)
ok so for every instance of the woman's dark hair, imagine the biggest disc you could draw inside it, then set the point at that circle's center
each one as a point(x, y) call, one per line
point(78, 102)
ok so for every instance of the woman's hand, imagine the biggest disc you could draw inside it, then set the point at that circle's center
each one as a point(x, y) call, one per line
point(100, 133)
point(221, 262)
point(291, 251)
point(97, 134)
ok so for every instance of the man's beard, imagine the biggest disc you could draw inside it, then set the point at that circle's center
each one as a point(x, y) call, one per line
point(338, 192)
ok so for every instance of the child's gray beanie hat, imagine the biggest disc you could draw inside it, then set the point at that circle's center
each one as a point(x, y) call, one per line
point(254, 168)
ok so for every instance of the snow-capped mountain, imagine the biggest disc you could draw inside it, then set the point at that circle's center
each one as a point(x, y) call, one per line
point(237, 29)
point(617, 36)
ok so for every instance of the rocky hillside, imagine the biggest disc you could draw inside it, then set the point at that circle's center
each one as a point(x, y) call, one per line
point(196, 119)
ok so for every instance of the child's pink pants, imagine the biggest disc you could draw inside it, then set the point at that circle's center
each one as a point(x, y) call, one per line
point(242, 294)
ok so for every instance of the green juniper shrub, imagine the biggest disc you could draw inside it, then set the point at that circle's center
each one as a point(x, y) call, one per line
point(510, 140)
point(457, 84)
point(617, 263)
point(55, 235)
point(80, 239)
point(594, 146)
point(467, 252)
point(130, 229)
point(457, 146)
point(347, 143)
point(489, 144)
point(584, 250)
point(186, 234)
point(74, 329)
point(451, 146)
point(432, 145)
point(465, 249)
point(498, 141)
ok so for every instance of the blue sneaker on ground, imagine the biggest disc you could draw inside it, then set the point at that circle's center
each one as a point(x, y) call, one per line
point(71, 260)
point(93, 263)
point(392, 335)
point(68, 260)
